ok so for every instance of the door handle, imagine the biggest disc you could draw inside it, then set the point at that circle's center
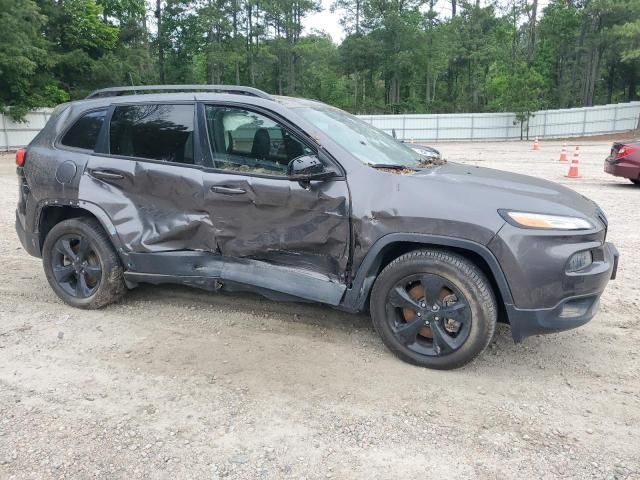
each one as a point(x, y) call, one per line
point(224, 190)
point(106, 174)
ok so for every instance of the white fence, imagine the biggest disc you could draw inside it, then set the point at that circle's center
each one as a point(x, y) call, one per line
point(573, 122)
point(14, 134)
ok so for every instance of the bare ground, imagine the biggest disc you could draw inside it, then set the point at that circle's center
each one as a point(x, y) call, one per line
point(178, 383)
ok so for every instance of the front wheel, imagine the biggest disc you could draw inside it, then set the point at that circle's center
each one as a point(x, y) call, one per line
point(434, 309)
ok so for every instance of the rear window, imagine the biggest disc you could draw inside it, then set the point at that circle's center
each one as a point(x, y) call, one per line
point(84, 133)
point(153, 131)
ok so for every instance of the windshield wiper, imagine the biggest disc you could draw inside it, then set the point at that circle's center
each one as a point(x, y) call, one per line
point(390, 165)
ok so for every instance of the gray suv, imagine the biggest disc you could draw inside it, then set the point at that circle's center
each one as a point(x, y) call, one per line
point(229, 188)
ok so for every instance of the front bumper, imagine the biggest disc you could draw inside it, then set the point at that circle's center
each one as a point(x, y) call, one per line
point(570, 312)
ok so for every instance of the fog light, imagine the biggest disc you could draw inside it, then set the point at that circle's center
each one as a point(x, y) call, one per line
point(576, 308)
point(579, 260)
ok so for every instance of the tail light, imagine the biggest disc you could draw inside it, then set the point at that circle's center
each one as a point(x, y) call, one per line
point(624, 151)
point(20, 154)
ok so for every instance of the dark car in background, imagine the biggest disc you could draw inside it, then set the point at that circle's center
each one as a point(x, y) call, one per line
point(624, 160)
point(230, 188)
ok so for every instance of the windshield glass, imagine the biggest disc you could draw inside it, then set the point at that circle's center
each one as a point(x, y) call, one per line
point(367, 143)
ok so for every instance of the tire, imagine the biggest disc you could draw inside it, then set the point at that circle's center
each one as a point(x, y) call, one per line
point(635, 181)
point(471, 307)
point(95, 278)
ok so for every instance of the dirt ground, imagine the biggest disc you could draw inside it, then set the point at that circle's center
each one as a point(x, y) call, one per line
point(179, 383)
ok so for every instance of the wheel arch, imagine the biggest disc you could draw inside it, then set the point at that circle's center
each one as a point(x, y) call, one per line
point(50, 213)
point(391, 246)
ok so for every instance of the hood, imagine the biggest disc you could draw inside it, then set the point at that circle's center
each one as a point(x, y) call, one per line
point(487, 188)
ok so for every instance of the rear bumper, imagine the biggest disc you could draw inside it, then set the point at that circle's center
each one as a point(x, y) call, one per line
point(570, 312)
point(623, 168)
point(30, 241)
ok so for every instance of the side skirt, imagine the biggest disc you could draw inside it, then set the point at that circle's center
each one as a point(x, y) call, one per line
point(214, 272)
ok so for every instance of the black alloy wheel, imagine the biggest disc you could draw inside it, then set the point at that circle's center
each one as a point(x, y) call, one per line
point(76, 266)
point(428, 314)
point(81, 264)
point(434, 308)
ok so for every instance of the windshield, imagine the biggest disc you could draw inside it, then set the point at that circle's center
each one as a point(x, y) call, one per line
point(365, 142)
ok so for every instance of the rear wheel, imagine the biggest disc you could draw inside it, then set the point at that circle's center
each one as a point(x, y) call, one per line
point(81, 265)
point(434, 309)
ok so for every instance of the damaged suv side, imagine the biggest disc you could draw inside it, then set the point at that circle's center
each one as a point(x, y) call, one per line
point(230, 188)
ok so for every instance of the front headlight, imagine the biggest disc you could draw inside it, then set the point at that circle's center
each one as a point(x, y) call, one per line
point(545, 222)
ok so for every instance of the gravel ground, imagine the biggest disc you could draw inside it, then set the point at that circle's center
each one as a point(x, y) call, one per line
point(179, 383)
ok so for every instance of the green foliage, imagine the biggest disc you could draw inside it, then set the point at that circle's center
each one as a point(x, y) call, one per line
point(84, 29)
point(23, 59)
point(398, 55)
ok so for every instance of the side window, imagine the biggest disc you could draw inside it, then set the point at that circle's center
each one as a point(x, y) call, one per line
point(84, 133)
point(153, 131)
point(246, 141)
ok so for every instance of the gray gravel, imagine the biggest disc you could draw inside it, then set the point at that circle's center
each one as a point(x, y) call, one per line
point(178, 383)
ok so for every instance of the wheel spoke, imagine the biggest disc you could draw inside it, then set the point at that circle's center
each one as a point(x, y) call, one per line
point(93, 270)
point(63, 272)
point(82, 290)
point(64, 247)
point(400, 298)
point(407, 332)
point(458, 312)
point(432, 285)
point(83, 247)
point(442, 341)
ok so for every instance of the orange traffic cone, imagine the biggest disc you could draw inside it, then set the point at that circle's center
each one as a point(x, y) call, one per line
point(536, 145)
point(563, 153)
point(573, 168)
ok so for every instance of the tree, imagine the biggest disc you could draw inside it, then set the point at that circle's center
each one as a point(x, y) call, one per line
point(397, 56)
point(25, 82)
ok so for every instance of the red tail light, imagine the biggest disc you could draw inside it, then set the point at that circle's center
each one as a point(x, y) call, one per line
point(20, 157)
point(625, 150)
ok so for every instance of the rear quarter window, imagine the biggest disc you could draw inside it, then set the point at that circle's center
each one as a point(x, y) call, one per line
point(84, 133)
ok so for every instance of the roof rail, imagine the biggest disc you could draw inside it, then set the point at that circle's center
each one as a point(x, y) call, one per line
point(237, 89)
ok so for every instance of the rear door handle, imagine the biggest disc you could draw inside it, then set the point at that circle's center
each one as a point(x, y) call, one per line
point(106, 174)
point(224, 190)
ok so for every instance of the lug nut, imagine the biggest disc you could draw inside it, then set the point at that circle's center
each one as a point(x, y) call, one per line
point(419, 314)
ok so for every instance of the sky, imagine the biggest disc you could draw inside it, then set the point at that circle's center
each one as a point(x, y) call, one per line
point(325, 21)
point(329, 22)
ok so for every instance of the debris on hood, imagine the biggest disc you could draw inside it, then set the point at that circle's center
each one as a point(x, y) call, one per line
point(432, 162)
point(400, 170)
point(397, 171)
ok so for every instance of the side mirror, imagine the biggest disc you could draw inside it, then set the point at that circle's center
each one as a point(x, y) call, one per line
point(306, 168)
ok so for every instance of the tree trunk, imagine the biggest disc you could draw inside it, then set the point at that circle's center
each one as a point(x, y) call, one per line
point(611, 81)
point(633, 84)
point(160, 41)
point(532, 30)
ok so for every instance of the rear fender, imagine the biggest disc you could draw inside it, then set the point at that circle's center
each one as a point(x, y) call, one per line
point(97, 212)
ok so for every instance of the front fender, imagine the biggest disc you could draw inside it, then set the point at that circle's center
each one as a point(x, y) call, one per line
point(355, 298)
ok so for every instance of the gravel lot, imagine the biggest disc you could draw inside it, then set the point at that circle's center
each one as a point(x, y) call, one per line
point(179, 383)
